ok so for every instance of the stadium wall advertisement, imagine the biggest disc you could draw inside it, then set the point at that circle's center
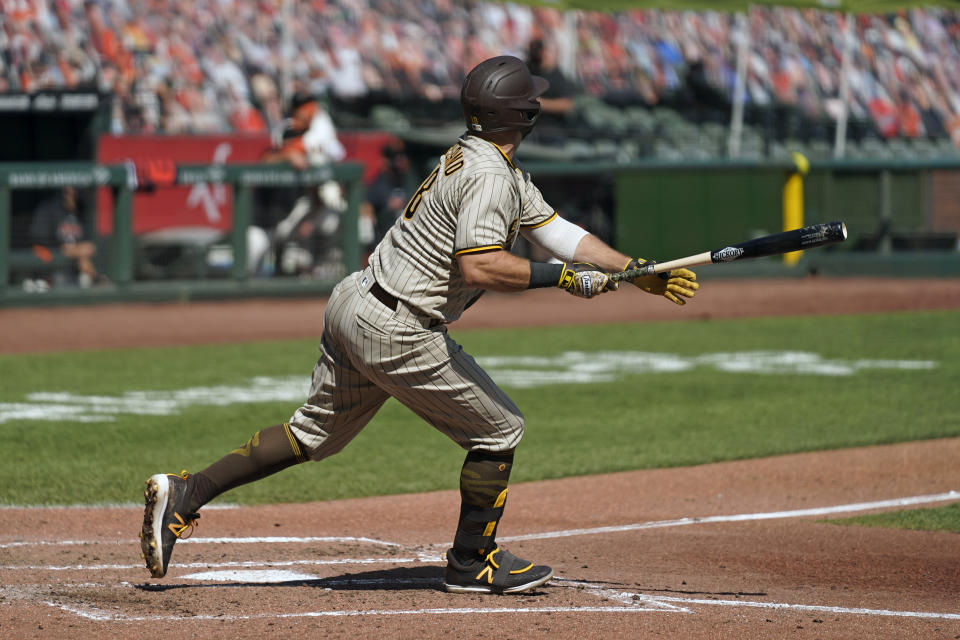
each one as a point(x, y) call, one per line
point(158, 205)
point(166, 206)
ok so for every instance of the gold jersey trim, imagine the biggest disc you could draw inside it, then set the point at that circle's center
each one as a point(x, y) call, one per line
point(505, 156)
point(540, 224)
point(489, 247)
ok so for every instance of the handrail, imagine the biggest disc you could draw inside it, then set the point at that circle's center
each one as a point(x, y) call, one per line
point(124, 179)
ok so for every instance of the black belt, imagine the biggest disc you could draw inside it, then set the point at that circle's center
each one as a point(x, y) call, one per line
point(389, 301)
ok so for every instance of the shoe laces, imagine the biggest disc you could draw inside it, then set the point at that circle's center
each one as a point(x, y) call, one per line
point(184, 528)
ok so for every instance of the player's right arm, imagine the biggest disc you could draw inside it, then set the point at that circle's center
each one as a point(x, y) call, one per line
point(565, 241)
point(485, 222)
point(500, 270)
point(496, 270)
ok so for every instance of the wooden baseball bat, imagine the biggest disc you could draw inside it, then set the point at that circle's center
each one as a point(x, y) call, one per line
point(816, 235)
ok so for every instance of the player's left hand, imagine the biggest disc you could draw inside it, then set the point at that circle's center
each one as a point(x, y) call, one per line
point(585, 280)
point(670, 285)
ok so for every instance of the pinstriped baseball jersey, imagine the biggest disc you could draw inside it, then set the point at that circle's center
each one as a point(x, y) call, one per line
point(475, 199)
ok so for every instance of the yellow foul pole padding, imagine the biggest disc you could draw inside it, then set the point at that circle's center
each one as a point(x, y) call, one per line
point(793, 203)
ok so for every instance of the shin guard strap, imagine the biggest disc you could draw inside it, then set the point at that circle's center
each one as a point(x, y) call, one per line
point(483, 516)
point(483, 493)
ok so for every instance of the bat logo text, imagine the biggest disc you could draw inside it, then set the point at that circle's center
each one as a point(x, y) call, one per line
point(727, 255)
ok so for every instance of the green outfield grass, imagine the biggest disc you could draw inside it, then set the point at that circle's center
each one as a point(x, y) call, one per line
point(637, 420)
point(938, 519)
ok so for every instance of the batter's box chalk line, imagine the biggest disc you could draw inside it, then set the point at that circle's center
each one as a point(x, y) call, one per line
point(222, 540)
point(416, 553)
point(622, 602)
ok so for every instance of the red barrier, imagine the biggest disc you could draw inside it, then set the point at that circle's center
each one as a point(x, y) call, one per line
point(201, 205)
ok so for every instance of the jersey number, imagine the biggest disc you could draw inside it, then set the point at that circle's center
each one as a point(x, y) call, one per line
point(417, 198)
point(454, 162)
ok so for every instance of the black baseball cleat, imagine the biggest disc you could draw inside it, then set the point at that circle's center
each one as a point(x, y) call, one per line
point(166, 517)
point(499, 572)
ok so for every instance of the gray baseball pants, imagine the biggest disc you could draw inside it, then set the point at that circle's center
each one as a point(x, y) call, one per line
point(371, 352)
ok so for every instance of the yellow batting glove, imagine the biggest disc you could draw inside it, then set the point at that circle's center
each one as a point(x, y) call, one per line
point(671, 285)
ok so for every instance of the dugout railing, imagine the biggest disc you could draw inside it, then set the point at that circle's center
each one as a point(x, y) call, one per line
point(117, 258)
point(903, 217)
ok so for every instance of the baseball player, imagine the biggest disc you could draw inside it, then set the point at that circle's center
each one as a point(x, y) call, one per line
point(385, 334)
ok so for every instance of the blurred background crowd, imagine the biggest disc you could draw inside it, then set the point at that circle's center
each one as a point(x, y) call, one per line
point(377, 82)
point(211, 66)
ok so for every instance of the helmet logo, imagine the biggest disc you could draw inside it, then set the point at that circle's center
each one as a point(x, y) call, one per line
point(475, 123)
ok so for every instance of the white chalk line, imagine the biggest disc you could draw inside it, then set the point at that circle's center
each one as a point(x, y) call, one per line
point(234, 540)
point(814, 608)
point(743, 517)
point(246, 564)
point(105, 617)
point(219, 506)
point(630, 602)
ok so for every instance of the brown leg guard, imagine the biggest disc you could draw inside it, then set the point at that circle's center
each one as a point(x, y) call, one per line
point(267, 452)
point(483, 492)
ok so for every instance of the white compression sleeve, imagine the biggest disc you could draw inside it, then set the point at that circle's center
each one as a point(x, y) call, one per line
point(560, 237)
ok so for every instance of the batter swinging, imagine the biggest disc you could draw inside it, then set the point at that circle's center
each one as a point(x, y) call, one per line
point(385, 334)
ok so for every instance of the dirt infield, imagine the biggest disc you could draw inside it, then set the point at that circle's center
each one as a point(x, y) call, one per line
point(731, 550)
point(705, 552)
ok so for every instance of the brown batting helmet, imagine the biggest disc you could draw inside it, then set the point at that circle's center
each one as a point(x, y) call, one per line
point(500, 94)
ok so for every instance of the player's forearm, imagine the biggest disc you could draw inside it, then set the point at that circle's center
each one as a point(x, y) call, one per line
point(495, 271)
point(593, 249)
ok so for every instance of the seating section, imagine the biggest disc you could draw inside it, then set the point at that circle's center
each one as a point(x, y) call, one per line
point(645, 83)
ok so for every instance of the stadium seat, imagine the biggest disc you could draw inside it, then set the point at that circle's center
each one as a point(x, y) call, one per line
point(663, 150)
point(779, 151)
point(946, 147)
point(819, 150)
point(629, 149)
point(875, 148)
point(577, 148)
point(924, 147)
point(899, 148)
point(853, 150)
point(665, 116)
point(606, 148)
point(639, 119)
point(385, 116)
point(751, 152)
point(715, 132)
point(697, 152)
point(599, 116)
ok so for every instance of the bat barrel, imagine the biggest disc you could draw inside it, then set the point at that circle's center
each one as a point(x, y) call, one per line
point(820, 234)
point(816, 235)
